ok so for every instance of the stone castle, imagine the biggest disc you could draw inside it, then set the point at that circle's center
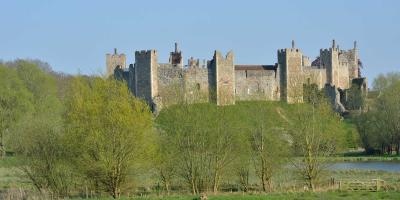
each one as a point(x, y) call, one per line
point(224, 82)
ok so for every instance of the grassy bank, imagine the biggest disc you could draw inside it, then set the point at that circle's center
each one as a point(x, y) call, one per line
point(363, 158)
point(284, 196)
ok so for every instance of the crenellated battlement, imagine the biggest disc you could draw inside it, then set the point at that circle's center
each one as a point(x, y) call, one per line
point(143, 53)
point(193, 63)
point(219, 80)
point(289, 50)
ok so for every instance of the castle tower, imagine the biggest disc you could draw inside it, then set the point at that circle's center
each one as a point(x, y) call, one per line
point(146, 75)
point(330, 62)
point(113, 61)
point(353, 62)
point(337, 73)
point(175, 58)
point(224, 74)
point(291, 74)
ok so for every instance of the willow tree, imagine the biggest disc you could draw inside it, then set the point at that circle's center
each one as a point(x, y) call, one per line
point(204, 141)
point(317, 133)
point(108, 130)
point(267, 142)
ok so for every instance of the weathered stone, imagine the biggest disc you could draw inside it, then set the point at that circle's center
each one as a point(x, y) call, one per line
point(113, 61)
point(219, 80)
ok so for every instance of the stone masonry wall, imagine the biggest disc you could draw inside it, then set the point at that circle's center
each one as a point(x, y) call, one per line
point(256, 84)
point(315, 75)
point(170, 83)
point(225, 78)
point(197, 84)
point(343, 76)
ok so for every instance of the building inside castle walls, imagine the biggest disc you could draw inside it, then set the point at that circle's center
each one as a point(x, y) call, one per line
point(223, 82)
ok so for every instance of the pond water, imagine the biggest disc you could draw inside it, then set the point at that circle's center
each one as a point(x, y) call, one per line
point(370, 165)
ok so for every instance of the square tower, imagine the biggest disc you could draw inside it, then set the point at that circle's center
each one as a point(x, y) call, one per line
point(337, 73)
point(113, 61)
point(146, 75)
point(224, 74)
point(290, 62)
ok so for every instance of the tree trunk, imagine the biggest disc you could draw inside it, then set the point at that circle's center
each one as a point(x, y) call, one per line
point(165, 180)
point(193, 186)
point(398, 149)
point(312, 184)
point(269, 185)
point(2, 149)
point(263, 181)
point(216, 180)
point(244, 179)
point(166, 185)
point(115, 193)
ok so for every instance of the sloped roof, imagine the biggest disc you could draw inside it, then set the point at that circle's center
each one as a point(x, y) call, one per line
point(255, 67)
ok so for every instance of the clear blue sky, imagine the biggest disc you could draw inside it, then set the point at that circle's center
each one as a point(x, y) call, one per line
point(74, 35)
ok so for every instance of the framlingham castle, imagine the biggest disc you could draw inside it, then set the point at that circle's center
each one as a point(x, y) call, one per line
point(224, 82)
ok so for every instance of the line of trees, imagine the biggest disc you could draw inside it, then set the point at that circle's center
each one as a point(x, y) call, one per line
point(72, 132)
point(206, 145)
point(75, 133)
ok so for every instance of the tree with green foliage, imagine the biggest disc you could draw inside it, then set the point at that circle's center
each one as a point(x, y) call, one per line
point(36, 136)
point(205, 141)
point(186, 126)
point(108, 131)
point(15, 101)
point(379, 128)
point(165, 160)
point(383, 81)
point(267, 142)
point(356, 99)
point(225, 139)
point(312, 94)
point(367, 130)
point(316, 133)
point(386, 113)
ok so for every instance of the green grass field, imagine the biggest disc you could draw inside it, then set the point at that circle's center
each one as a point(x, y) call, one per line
point(10, 175)
point(284, 196)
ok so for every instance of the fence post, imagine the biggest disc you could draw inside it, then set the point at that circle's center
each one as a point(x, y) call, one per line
point(86, 192)
point(377, 184)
